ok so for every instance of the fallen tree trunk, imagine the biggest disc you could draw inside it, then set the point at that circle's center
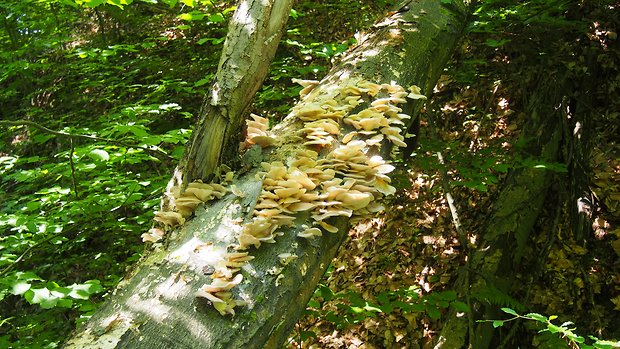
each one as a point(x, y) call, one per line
point(157, 305)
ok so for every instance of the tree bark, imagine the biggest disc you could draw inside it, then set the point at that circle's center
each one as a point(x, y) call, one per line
point(253, 36)
point(156, 307)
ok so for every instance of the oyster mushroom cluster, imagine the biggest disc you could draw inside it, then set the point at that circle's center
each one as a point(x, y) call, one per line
point(334, 176)
point(184, 204)
point(218, 292)
point(257, 132)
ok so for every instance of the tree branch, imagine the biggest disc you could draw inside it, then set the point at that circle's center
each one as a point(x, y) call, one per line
point(89, 137)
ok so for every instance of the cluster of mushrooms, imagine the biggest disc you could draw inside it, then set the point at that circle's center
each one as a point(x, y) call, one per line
point(334, 175)
point(184, 205)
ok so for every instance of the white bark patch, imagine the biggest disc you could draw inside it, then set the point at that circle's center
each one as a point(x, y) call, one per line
point(244, 17)
point(173, 287)
point(114, 328)
point(153, 308)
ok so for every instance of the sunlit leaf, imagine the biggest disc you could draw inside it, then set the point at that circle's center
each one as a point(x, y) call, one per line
point(99, 154)
point(216, 18)
point(537, 317)
point(510, 311)
point(20, 287)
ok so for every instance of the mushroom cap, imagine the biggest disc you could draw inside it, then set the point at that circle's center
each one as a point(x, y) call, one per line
point(310, 233)
point(203, 194)
point(263, 141)
point(169, 218)
point(153, 235)
point(219, 285)
point(247, 240)
point(355, 200)
point(330, 228)
point(204, 294)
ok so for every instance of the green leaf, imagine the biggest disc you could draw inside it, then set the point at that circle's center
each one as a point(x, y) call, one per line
point(356, 310)
point(369, 307)
point(119, 3)
point(99, 154)
point(305, 335)
point(497, 323)
point(83, 291)
point(20, 287)
point(192, 16)
point(433, 312)
point(459, 306)
point(92, 3)
point(41, 296)
point(65, 303)
point(216, 18)
point(537, 317)
point(201, 82)
point(510, 311)
point(553, 328)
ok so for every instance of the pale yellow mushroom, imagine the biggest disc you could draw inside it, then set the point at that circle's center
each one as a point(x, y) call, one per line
point(209, 296)
point(203, 194)
point(286, 192)
point(301, 206)
point(415, 93)
point(321, 142)
point(219, 285)
point(218, 188)
point(261, 120)
point(153, 235)
point(398, 141)
point(247, 240)
point(348, 137)
point(310, 233)
point(383, 187)
point(308, 85)
point(371, 88)
point(186, 205)
point(353, 101)
point(330, 228)
point(283, 220)
point(375, 140)
point(286, 258)
point(169, 218)
point(308, 111)
point(259, 227)
point(355, 200)
point(263, 141)
point(238, 257)
point(332, 212)
point(223, 272)
point(267, 203)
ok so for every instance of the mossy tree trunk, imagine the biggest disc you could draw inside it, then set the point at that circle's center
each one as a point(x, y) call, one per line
point(156, 305)
point(489, 276)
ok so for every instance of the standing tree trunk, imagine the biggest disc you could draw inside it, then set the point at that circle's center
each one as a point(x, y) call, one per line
point(157, 305)
point(253, 36)
point(505, 234)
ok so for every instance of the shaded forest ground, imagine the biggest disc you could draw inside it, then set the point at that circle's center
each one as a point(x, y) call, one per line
point(408, 257)
point(412, 252)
